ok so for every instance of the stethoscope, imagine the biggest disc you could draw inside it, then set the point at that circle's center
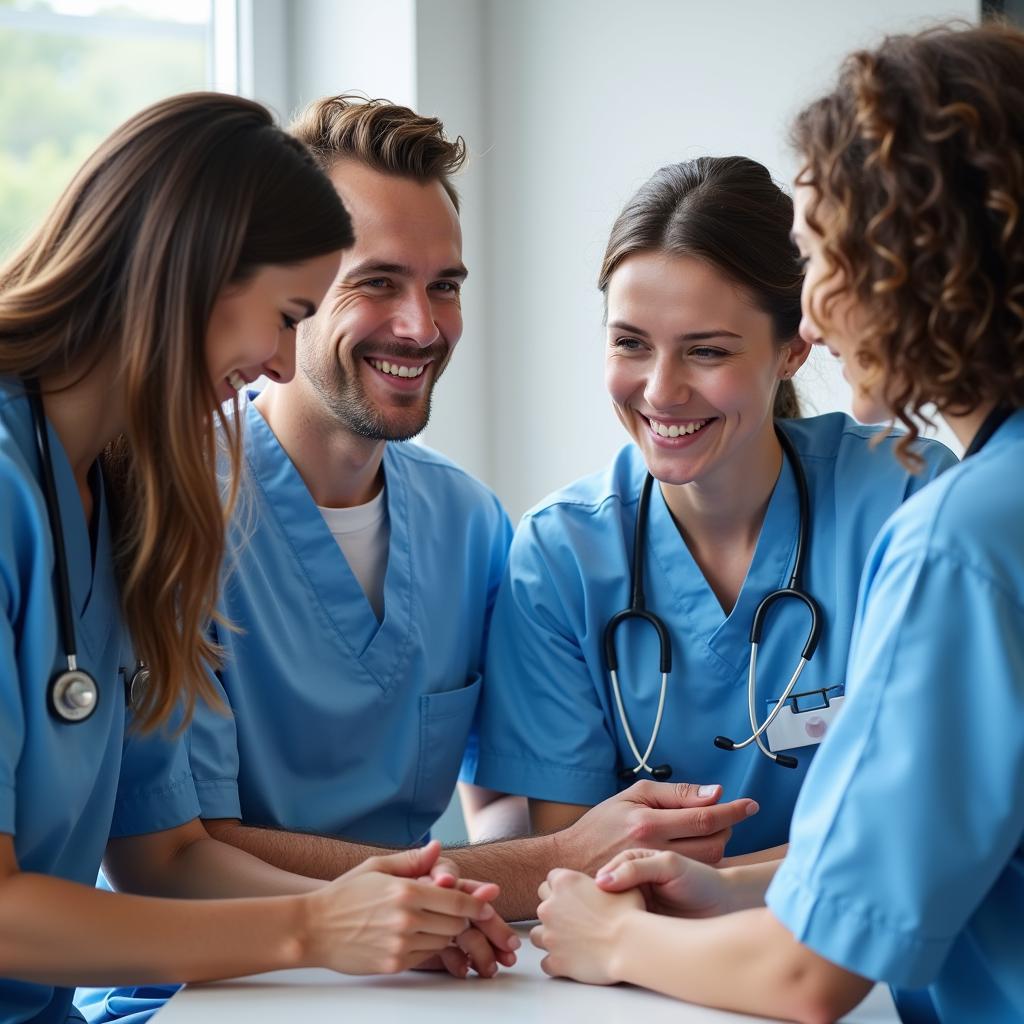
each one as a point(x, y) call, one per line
point(637, 610)
point(73, 694)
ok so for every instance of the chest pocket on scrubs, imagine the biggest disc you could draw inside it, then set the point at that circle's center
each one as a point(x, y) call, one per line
point(445, 721)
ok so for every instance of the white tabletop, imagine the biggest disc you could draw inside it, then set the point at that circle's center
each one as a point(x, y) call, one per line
point(517, 995)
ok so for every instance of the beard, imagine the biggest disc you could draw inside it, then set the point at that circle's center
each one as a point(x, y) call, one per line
point(342, 392)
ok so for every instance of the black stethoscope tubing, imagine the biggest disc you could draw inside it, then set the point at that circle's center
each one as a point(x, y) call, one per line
point(73, 694)
point(638, 610)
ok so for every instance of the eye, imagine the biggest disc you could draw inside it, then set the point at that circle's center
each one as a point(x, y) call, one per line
point(288, 323)
point(451, 287)
point(627, 344)
point(708, 353)
point(377, 282)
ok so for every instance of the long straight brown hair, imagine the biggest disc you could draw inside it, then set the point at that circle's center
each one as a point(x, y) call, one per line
point(188, 197)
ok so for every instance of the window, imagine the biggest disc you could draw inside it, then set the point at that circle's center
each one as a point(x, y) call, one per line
point(70, 72)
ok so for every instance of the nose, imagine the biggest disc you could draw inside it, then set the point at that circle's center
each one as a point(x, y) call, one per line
point(668, 385)
point(414, 319)
point(280, 367)
point(809, 331)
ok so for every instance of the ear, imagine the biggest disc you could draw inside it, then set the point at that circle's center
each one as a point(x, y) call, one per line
point(794, 355)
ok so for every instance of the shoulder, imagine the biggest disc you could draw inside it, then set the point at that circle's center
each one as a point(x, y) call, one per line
point(601, 493)
point(440, 480)
point(24, 528)
point(971, 514)
point(602, 504)
point(839, 438)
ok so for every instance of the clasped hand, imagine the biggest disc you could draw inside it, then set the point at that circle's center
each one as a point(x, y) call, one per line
point(582, 919)
point(408, 910)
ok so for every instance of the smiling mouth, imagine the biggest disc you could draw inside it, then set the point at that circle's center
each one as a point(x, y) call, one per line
point(397, 369)
point(672, 430)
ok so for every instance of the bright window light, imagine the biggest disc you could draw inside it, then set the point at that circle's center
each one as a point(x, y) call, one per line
point(70, 72)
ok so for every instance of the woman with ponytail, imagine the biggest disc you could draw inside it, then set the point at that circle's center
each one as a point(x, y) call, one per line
point(702, 297)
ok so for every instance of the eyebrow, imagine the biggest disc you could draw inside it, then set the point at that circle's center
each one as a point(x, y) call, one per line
point(621, 325)
point(401, 269)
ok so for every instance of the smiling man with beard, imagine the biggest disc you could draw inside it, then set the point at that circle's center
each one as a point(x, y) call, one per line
point(364, 574)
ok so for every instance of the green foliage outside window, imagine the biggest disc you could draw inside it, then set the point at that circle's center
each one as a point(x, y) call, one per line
point(62, 92)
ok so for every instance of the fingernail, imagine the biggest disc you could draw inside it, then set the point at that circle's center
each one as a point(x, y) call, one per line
point(486, 912)
point(706, 790)
point(606, 876)
point(753, 808)
point(514, 943)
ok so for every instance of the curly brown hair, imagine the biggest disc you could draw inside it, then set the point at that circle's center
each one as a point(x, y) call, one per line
point(916, 166)
point(383, 135)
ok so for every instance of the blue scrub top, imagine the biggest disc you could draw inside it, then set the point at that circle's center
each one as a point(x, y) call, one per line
point(342, 724)
point(906, 862)
point(64, 789)
point(548, 724)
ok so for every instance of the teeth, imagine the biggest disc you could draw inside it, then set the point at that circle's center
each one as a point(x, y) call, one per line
point(395, 370)
point(236, 380)
point(675, 430)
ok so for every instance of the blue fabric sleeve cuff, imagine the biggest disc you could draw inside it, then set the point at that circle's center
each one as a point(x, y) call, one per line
point(218, 798)
point(155, 810)
point(853, 934)
point(555, 782)
point(7, 809)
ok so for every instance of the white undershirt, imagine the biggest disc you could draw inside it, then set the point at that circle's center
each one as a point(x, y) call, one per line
point(363, 534)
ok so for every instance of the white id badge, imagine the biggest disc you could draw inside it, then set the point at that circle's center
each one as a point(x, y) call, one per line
point(804, 721)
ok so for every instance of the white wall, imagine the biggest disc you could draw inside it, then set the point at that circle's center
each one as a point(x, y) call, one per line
point(568, 106)
point(586, 99)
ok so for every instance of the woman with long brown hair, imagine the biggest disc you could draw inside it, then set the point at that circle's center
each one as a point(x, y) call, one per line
point(172, 271)
point(905, 862)
point(725, 496)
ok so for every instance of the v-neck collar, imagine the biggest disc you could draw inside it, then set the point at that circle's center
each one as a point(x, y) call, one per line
point(680, 578)
point(381, 647)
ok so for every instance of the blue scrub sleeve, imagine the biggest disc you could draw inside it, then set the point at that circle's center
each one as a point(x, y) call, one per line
point(543, 732)
point(155, 789)
point(213, 755)
point(496, 570)
point(18, 544)
point(12, 730)
point(912, 807)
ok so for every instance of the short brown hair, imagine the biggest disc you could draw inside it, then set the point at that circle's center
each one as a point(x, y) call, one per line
point(387, 137)
point(916, 162)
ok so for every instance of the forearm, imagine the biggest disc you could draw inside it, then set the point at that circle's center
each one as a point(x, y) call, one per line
point(60, 933)
point(518, 866)
point(315, 856)
point(749, 883)
point(746, 962)
point(491, 816)
point(210, 869)
point(773, 854)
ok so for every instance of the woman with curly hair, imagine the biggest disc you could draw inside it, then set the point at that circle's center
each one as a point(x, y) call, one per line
point(905, 862)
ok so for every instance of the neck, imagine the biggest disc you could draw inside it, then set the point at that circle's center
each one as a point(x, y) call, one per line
point(83, 414)
point(728, 505)
point(966, 427)
point(339, 468)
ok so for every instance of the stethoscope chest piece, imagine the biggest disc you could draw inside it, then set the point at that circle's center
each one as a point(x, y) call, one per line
point(135, 686)
point(74, 696)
